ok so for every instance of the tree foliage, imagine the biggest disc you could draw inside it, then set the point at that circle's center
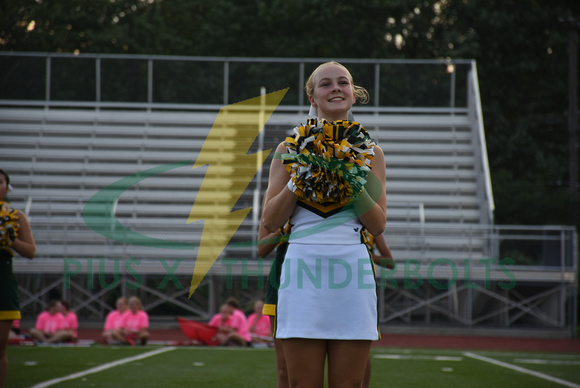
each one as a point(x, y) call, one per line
point(520, 47)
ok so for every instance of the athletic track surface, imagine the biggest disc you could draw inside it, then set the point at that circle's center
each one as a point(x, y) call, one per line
point(560, 345)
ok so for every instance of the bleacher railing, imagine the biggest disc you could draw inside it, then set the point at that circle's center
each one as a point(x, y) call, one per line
point(111, 80)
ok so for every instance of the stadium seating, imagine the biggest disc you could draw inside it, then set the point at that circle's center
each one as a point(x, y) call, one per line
point(60, 158)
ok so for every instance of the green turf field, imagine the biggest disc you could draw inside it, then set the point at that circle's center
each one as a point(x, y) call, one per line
point(157, 366)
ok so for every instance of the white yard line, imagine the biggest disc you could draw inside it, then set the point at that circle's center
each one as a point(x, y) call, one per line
point(522, 370)
point(540, 361)
point(413, 357)
point(102, 367)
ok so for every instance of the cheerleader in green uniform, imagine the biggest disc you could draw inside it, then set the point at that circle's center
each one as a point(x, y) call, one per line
point(15, 236)
point(329, 179)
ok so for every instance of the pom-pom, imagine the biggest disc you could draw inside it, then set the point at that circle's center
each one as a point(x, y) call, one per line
point(328, 161)
point(8, 225)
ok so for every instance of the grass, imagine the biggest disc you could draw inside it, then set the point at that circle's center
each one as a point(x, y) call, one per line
point(236, 367)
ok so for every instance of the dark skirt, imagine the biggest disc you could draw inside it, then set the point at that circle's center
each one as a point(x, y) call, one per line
point(9, 299)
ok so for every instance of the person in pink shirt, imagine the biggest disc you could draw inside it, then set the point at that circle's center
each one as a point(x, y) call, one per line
point(71, 320)
point(259, 325)
point(51, 325)
point(240, 320)
point(114, 322)
point(135, 325)
point(232, 328)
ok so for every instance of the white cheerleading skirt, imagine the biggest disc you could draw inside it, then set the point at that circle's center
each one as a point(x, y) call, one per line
point(327, 292)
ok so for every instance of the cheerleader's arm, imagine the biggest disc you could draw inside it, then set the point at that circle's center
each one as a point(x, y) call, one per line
point(371, 205)
point(279, 200)
point(266, 242)
point(24, 244)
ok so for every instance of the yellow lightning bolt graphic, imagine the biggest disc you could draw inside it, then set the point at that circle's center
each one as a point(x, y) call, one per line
point(230, 171)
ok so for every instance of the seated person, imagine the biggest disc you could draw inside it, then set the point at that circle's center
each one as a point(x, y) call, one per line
point(51, 325)
point(231, 329)
point(15, 333)
point(240, 319)
point(259, 324)
point(71, 320)
point(135, 325)
point(114, 322)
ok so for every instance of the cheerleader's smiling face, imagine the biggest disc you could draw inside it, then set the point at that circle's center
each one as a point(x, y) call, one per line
point(333, 93)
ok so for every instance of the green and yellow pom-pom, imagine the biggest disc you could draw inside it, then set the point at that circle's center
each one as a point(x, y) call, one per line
point(329, 161)
point(8, 225)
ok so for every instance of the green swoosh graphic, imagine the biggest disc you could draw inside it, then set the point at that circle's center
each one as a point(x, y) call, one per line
point(98, 211)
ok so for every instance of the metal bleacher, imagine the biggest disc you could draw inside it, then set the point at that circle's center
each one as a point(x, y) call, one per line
point(61, 158)
point(61, 153)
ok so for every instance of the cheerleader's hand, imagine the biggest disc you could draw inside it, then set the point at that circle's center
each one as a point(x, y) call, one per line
point(383, 261)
